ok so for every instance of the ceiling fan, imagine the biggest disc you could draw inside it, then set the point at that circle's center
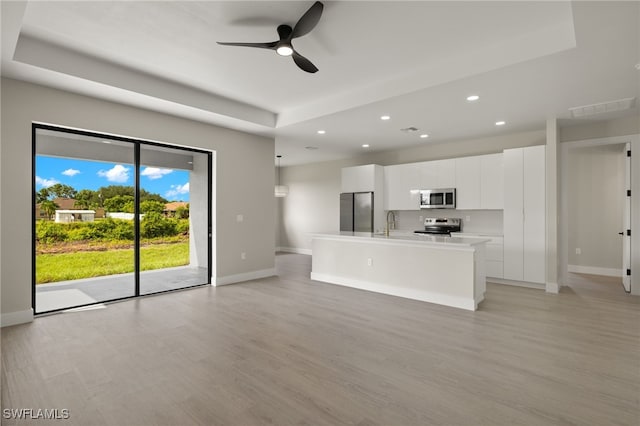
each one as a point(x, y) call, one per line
point(283, 47)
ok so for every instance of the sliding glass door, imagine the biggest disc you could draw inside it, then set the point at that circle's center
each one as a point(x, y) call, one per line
point(116, 218)
point(174, 235)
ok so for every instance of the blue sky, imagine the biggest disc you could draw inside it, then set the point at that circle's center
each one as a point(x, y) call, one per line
point(82, 174)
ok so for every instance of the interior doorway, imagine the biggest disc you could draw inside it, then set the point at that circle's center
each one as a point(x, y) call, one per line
point(596, 207)
point(116, 218)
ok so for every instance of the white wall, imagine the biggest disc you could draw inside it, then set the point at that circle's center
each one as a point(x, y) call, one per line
point(244, 179)
point(313, 201)
point(595, 200)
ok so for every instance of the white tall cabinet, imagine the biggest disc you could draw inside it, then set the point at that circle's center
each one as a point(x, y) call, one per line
point(524, 214)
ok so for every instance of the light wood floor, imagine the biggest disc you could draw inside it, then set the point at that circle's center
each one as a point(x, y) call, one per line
point(287, 350)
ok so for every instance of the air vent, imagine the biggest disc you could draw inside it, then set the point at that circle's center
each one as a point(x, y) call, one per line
point(409, 130)
point(311, 148)
point(604, 107)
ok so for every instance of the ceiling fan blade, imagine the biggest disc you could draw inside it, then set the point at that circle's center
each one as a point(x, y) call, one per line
point(303, 63)
point(308, 21)
point(270, 45)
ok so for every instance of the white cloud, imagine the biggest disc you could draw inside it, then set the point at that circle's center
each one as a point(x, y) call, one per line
point(118, 174)
point(154, 172)
point(71, 172)
point(177, 190)
point(45, 183)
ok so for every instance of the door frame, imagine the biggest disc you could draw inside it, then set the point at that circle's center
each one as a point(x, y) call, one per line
point(563, 216)
point(136, 144)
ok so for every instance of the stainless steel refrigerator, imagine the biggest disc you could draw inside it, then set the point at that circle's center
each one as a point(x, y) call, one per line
point(356, 211)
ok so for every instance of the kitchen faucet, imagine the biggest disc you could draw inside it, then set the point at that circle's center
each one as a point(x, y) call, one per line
point(392, 221)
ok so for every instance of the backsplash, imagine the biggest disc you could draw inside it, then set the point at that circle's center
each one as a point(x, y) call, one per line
point(485, 221)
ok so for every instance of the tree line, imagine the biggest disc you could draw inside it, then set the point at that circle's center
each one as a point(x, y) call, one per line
point(113, 198)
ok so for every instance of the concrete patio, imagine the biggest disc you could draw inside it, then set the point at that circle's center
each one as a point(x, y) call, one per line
point(70, 294)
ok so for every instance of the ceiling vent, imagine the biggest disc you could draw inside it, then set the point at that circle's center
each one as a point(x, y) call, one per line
point(409, 130)
point(602, 108)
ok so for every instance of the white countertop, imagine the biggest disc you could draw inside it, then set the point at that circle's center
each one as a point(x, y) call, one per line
point(407, 238)
point(477, 234)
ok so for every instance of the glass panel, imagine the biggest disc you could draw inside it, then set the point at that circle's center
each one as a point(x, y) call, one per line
point(84, 238)
point(174, 226)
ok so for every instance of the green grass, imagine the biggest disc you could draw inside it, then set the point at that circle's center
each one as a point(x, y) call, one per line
point(73, 266)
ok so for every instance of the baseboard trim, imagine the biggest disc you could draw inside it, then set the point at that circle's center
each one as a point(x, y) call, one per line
point(425, 296)
point(552, 288)
point(593, 270)
point(15, 318)
point(294, 250)
point(245, 276)
point(527, 284)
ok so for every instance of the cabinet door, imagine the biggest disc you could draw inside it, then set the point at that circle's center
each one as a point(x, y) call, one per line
point(513, 217)
point(534, 223)
point(445, 173)
point(358, 179)
point(401, 187)
point(467, 183)
point(491, 182)
point(427, 172)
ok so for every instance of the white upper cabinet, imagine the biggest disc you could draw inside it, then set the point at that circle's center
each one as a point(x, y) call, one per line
point(445, 173)
point(438, 174)
point(428, 175)
point(491, 182)
point(467, 183)
point(361, 178)
point(401, 186)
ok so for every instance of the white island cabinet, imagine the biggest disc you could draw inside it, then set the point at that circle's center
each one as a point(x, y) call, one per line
point(444, 270)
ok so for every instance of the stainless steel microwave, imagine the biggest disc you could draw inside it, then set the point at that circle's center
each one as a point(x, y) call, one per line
point(438, 198)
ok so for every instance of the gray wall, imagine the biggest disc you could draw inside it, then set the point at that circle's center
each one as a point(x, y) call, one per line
point(244, 167)
point(313, 204)
point(601, 129)
point(595, 201)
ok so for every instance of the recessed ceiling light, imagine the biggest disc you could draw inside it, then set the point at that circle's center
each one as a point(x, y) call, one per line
point(500, 123)
point(321, 132)
point(473, 98)
point(365, 145)
point(385, 117)
point(424, 136)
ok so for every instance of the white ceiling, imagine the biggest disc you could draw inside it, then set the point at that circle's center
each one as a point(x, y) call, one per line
point(416, 61)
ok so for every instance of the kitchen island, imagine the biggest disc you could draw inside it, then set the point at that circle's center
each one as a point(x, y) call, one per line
point(438, 269)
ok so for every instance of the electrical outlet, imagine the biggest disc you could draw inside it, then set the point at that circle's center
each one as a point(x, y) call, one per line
point(243, 256)
point(578, 251)
point(369, 261)
point(421, 219)
point(239, 218)
point(467, 218)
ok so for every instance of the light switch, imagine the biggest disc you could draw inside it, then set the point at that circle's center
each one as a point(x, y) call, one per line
point(239, 218)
